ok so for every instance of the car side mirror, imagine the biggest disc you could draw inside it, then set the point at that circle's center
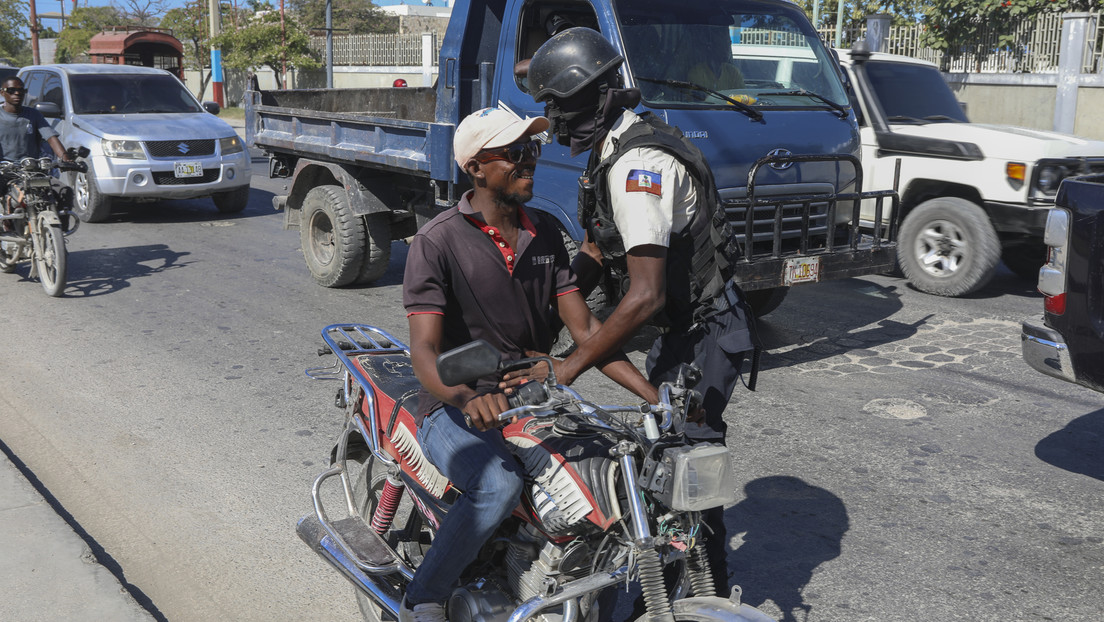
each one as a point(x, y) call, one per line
point(212, 107)
point(49, 110)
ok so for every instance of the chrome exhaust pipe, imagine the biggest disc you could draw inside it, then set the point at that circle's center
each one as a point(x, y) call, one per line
point(312, 532)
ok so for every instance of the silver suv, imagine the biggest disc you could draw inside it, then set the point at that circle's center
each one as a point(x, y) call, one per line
point(150, 138)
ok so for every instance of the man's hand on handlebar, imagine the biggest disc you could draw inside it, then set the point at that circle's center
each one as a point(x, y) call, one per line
point(536, 373)
point(482, 410)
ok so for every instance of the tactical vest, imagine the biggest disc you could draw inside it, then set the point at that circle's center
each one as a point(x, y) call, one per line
point(699, 259)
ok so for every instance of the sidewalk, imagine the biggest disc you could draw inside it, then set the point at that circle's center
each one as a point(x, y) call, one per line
point(47, 572)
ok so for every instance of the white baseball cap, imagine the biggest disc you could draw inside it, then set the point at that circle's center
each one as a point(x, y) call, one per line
point(492, 127)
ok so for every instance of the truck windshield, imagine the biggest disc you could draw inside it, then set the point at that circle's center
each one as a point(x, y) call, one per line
point(764, 55)
point(130, 94)
point(912, 93)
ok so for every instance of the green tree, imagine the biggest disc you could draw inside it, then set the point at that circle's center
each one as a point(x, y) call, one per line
point(190, 24)
point(953, 23)
point(84, 23)
point(258, 42)
point(13, 21)
point(855, 11)
point(349, 16)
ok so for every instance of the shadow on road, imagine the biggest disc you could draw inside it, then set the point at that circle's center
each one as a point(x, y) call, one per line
point(105, 271)
point(1078, 447)
point(188, 210)
point(790, 528)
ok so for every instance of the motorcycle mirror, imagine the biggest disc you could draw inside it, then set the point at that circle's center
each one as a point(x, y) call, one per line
point(468, 363)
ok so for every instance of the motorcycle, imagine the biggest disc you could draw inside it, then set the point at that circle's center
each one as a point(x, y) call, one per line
point(33, 228)
point(613, 495)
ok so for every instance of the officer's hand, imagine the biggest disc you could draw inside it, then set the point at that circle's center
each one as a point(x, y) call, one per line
point(536, 373)
point(483, 410)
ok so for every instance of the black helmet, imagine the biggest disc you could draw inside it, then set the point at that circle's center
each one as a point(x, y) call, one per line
point(569, 61)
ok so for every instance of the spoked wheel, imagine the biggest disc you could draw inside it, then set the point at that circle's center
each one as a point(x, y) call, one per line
point(369, 476)
point(51, 258)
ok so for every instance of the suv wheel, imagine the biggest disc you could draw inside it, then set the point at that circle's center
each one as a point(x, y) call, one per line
point(233, 201)
point(948, 247)
point(88, 204)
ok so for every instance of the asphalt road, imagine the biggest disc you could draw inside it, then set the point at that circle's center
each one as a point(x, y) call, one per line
point(899, 461)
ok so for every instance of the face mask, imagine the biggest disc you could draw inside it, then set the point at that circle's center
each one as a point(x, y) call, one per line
point(585, 128)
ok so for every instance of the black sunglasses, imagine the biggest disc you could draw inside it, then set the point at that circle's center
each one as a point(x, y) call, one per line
point(14, 90)
point(511, 153)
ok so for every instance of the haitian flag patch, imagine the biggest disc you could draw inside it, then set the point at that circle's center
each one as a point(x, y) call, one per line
point(644, 181)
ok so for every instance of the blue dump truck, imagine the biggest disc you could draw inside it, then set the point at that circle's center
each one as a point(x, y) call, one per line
point(749, 81)
point(1067, 342)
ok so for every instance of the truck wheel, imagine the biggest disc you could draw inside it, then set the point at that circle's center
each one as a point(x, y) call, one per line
point(332, 237)
point(948, 247)
point(377, 248)
point(233, 201)
point(1024, 260)
point(88, 204)
point(763, 301)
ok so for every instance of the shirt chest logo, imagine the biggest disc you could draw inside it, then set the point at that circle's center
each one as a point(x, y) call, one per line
point(640, 180)
point(543, 260)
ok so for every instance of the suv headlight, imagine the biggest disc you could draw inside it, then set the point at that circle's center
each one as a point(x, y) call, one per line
point(1049, 175)
point(123, 149)
point(230, 144)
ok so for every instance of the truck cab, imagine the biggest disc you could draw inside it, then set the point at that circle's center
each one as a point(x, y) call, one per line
point(972, 194)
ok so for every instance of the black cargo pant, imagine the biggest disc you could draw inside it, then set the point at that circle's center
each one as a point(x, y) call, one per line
point(717, 346)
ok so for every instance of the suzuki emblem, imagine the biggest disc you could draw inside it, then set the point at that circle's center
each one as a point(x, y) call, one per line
point(183, 148)
point(780, 166)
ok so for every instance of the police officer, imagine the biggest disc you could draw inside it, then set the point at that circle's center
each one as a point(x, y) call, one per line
point(653, 220)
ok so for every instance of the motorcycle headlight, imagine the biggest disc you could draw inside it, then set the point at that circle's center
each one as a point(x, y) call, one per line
point(231, 144)
point(123, 148)
point(698, 477)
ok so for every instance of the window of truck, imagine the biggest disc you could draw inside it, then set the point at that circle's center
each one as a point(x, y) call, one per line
point(912, 93)
point(691, 53)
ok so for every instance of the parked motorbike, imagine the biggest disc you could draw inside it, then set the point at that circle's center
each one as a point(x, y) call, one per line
point(613, 495)
point(34, 225)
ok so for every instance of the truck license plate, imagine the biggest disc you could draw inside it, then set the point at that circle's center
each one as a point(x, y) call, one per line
point(189, 169)
point(802, 270)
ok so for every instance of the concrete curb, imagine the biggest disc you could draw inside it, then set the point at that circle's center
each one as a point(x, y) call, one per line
point(48, 572)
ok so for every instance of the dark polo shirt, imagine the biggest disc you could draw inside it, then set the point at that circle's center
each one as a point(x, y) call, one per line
point(462, 269)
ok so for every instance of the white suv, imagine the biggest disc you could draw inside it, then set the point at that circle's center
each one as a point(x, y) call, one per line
point(149, 138)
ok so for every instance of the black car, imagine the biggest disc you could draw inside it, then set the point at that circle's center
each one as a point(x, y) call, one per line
point(7, 72)
point(1068, 341)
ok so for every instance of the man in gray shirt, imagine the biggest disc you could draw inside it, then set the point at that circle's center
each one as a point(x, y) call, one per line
point(22, 131)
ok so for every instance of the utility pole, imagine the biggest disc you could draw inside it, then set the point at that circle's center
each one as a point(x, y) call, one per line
point(283, 49)
point(329, 44)
point(216, 54)
point(34, 33)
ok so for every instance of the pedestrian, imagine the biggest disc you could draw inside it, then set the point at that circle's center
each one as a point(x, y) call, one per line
point(651, 213)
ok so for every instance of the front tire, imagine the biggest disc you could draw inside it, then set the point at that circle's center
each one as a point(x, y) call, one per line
point(233, 201)
point(88, 203)
point(948, 247)
point(332, 237)
point(51, 259)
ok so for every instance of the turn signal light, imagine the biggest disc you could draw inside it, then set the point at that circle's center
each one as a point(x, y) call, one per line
point(1016, 171)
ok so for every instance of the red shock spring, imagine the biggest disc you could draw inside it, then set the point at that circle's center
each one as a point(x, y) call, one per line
point(388, 504)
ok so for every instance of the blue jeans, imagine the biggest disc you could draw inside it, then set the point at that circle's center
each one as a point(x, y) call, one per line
point(480, 465)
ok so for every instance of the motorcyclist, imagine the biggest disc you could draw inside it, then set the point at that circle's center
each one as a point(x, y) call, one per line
point(488, 269)
point(22, 130)
point(651, 212)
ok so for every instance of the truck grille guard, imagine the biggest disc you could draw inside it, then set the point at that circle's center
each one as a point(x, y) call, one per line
point(772, 229)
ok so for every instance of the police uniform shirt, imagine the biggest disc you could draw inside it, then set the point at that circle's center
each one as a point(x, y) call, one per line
point(462, 269)
point(22, 134)
point(651, 192)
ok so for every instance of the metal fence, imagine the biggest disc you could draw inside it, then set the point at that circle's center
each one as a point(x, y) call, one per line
point(1034, 48)
point(387, 50)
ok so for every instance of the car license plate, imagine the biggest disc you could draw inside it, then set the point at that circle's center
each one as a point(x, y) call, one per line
point(802, 270)
point(189, 169)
